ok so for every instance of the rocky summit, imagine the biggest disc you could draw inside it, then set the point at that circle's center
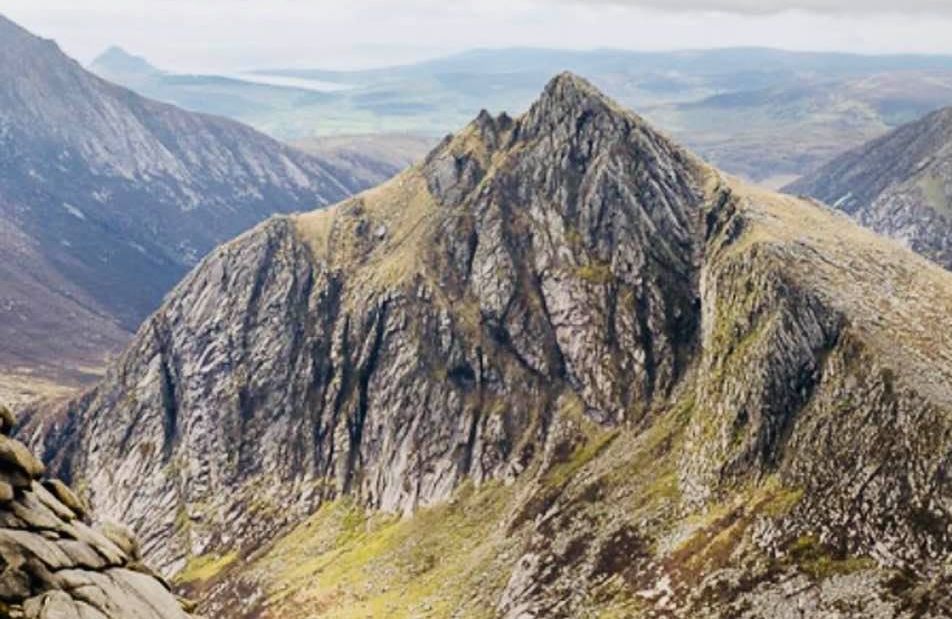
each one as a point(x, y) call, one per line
point(53, 564)
point(562, 368)
point(900, 185)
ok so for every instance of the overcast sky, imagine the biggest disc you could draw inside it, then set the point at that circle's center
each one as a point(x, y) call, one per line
point(229, 35)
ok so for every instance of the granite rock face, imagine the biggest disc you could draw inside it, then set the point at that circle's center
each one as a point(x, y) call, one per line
point(343, 367)
point(899, 185)
point(702, 393)
point(54, 565)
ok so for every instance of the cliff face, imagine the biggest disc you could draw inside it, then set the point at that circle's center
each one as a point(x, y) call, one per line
point(54, 564)
point(899, 185)
point(414, 337)
point(600, 374)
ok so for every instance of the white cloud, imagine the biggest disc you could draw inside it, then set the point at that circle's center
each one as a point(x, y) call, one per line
point(760, 7)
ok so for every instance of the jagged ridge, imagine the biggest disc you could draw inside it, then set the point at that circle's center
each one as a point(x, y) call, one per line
point(560, 301)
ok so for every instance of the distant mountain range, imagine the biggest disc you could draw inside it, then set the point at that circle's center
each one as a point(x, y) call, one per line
point(266, 106)
point(900, 185)
point(561, 368)
point(765, 114)
point(107, 199)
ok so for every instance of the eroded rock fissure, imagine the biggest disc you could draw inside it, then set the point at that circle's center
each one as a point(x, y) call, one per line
point(356, 424)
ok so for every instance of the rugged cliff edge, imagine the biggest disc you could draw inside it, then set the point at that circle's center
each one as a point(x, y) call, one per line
point(899, 185)
point(53, 565)
point(599, 375)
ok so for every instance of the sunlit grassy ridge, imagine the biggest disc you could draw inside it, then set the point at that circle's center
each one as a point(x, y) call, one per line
point(893, 296)
point(343, 562)
point(456, 559)
point(376, 237)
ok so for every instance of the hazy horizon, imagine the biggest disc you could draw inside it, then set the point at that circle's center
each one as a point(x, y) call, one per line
point(244, 72)
point(188, 37)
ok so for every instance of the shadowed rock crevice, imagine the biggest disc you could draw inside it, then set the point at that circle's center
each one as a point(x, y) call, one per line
point(356, 424)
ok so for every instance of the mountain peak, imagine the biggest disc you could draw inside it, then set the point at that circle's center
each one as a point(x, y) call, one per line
point(114, 52)
point(457, 237)
point(571, 108)
point(569, 92)
point(544, 301)
point(571, 83)
point(569, 89)
point(571, 120)
point(117, 60)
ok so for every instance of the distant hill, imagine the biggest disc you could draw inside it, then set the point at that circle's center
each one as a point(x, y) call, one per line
point(117, 61)
point(899, 185)
point(278, 109)
point(765, 114)
point(791, 130)
point(108, 198)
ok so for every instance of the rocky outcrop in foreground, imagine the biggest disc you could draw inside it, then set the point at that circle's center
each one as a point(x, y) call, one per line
point(53, 564)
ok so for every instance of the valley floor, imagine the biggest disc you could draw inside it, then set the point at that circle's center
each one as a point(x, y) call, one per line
point(22, 388)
